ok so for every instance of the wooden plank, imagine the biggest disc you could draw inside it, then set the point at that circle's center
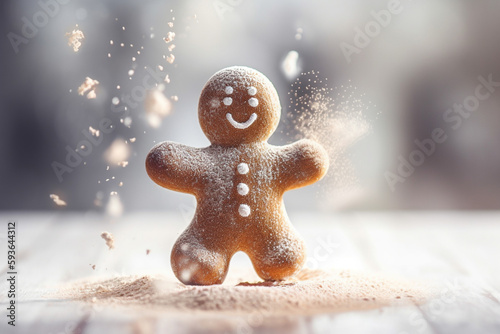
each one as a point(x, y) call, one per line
point(469, 305)
point(29, 227)
point(330, 242)
point(381, 239)
point(387, 320)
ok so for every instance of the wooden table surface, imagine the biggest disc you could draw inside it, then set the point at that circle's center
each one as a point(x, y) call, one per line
point(458, 250)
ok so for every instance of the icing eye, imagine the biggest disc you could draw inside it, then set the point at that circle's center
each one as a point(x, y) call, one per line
point(252, 91)
point(253, 102)
point(228, 90)
point(227, 101)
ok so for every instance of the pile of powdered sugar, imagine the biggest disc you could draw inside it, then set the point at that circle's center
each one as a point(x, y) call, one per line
point(310, 292)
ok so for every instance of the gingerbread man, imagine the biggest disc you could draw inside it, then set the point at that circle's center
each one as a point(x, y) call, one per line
point(238, 181)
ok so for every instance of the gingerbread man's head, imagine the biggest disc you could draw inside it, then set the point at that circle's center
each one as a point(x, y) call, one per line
point(238, 105)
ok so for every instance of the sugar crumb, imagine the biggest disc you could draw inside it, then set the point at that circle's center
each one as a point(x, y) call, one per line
point(57, 200)
point(88, 87)
point(74, 38)
point(108, 237)
point(170, 59)
point(170, 37)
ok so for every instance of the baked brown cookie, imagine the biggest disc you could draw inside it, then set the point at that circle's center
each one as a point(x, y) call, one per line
point(239, 182)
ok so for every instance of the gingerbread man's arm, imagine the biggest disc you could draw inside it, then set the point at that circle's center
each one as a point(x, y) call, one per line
point(174, 166)
point(302, 163)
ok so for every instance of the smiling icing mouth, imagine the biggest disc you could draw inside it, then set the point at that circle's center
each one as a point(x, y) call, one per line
point(239, 125)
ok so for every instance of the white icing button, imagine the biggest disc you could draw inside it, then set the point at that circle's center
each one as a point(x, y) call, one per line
point(227, 101)
point(242, 189)
point(228, 90)
point(243, 168)
point(252, 91)
point(244, 210)
point(253, 102)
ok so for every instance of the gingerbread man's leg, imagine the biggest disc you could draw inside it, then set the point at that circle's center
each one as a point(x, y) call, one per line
point(279, 255)
point(198, 261)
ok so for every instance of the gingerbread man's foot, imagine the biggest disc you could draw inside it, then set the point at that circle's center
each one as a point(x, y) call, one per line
point(195, 264)
point(279, 259)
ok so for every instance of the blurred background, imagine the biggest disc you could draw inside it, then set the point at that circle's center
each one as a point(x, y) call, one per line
point(398, 70)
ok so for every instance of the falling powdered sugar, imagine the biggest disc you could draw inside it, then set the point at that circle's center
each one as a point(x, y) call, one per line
point(335, 118)
point(290, 65)
point(117, 152)
point(157, 106)
point(114, 208)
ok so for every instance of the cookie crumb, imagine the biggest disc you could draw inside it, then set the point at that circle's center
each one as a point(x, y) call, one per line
point(110, 240)
point(57, 200)
point(88, 87)
point(74, 38)
point(94, 132)
point(170, 37)
point(170, 59)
